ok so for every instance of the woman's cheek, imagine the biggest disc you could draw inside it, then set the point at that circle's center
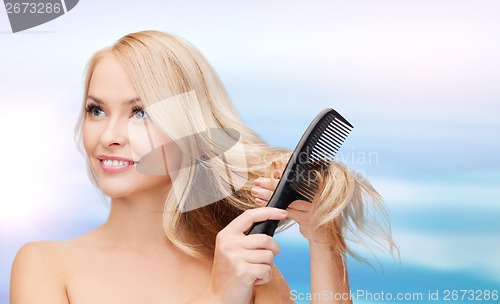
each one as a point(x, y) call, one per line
point(141, 139)
point(89, 138)
point(155, 152)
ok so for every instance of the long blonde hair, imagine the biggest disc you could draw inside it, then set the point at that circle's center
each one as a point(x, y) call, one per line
point(162, 67)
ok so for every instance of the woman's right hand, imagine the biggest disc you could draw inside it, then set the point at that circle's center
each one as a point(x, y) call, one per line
point(242, 261)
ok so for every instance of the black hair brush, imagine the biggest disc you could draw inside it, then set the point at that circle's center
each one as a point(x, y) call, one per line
point(315, 150)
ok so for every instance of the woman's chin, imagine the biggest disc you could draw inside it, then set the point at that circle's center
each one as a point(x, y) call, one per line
point(126, 187)
point(115, 188)
point(115, 192)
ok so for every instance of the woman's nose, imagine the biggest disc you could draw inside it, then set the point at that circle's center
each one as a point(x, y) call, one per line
point(115, 133)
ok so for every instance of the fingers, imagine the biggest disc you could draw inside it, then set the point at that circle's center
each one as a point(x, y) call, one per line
point(298, 216)
point(261, 193)
point(243, 222)
point(259, 257)
point(299, 211)
point(261, 202)
point(262, 273)
point(267, 183)
point(263, 190)
point(261, 241)
point(301, 206)
point(241, 261)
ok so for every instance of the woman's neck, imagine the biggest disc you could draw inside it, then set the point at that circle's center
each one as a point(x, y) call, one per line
point(136, 221)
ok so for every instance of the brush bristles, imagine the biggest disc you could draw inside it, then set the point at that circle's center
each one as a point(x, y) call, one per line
point(321, 149)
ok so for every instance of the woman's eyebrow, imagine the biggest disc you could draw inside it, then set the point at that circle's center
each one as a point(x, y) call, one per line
point(126, 102)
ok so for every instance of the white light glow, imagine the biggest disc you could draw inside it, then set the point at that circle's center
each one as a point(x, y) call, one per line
point(29, 156)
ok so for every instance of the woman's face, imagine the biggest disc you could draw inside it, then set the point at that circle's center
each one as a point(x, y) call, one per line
point(117, 132)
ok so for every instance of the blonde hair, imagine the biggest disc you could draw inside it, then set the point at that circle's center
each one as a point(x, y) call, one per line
point(162, 67)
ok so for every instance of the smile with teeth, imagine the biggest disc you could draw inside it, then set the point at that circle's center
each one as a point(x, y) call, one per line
point(115, 163)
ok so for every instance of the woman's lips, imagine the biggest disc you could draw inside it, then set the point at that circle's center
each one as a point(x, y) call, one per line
point(114, 164)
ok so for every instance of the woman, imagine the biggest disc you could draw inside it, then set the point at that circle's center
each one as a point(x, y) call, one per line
point(167, 241)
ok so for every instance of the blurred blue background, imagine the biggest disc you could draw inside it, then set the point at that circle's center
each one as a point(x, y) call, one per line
point(419, 80)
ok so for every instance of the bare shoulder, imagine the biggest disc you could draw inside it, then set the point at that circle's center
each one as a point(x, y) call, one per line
point(42, 270)
point(38, 256)
point(37, 274)
point(275, 291)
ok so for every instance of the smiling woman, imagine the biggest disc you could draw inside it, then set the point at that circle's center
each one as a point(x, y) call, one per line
point(113, 105)
point(149, 90)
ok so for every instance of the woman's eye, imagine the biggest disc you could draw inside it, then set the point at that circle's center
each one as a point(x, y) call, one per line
point(95, 110)
point(140, 114)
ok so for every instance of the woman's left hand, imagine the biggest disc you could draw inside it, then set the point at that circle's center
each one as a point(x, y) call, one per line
point(299, 211)
point(328, 268)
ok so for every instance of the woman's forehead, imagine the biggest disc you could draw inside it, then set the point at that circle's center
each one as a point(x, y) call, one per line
point(110, 83)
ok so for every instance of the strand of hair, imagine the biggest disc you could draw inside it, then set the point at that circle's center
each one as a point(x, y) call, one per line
point(308, 193)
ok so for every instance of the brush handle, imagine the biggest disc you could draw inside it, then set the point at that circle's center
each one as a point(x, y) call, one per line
point(318, 145)
point(267, 227)
point(282, 197)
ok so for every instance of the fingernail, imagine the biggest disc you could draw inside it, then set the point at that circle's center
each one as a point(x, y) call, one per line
point(254, 191)
point(258, 181)
point(260, 202)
